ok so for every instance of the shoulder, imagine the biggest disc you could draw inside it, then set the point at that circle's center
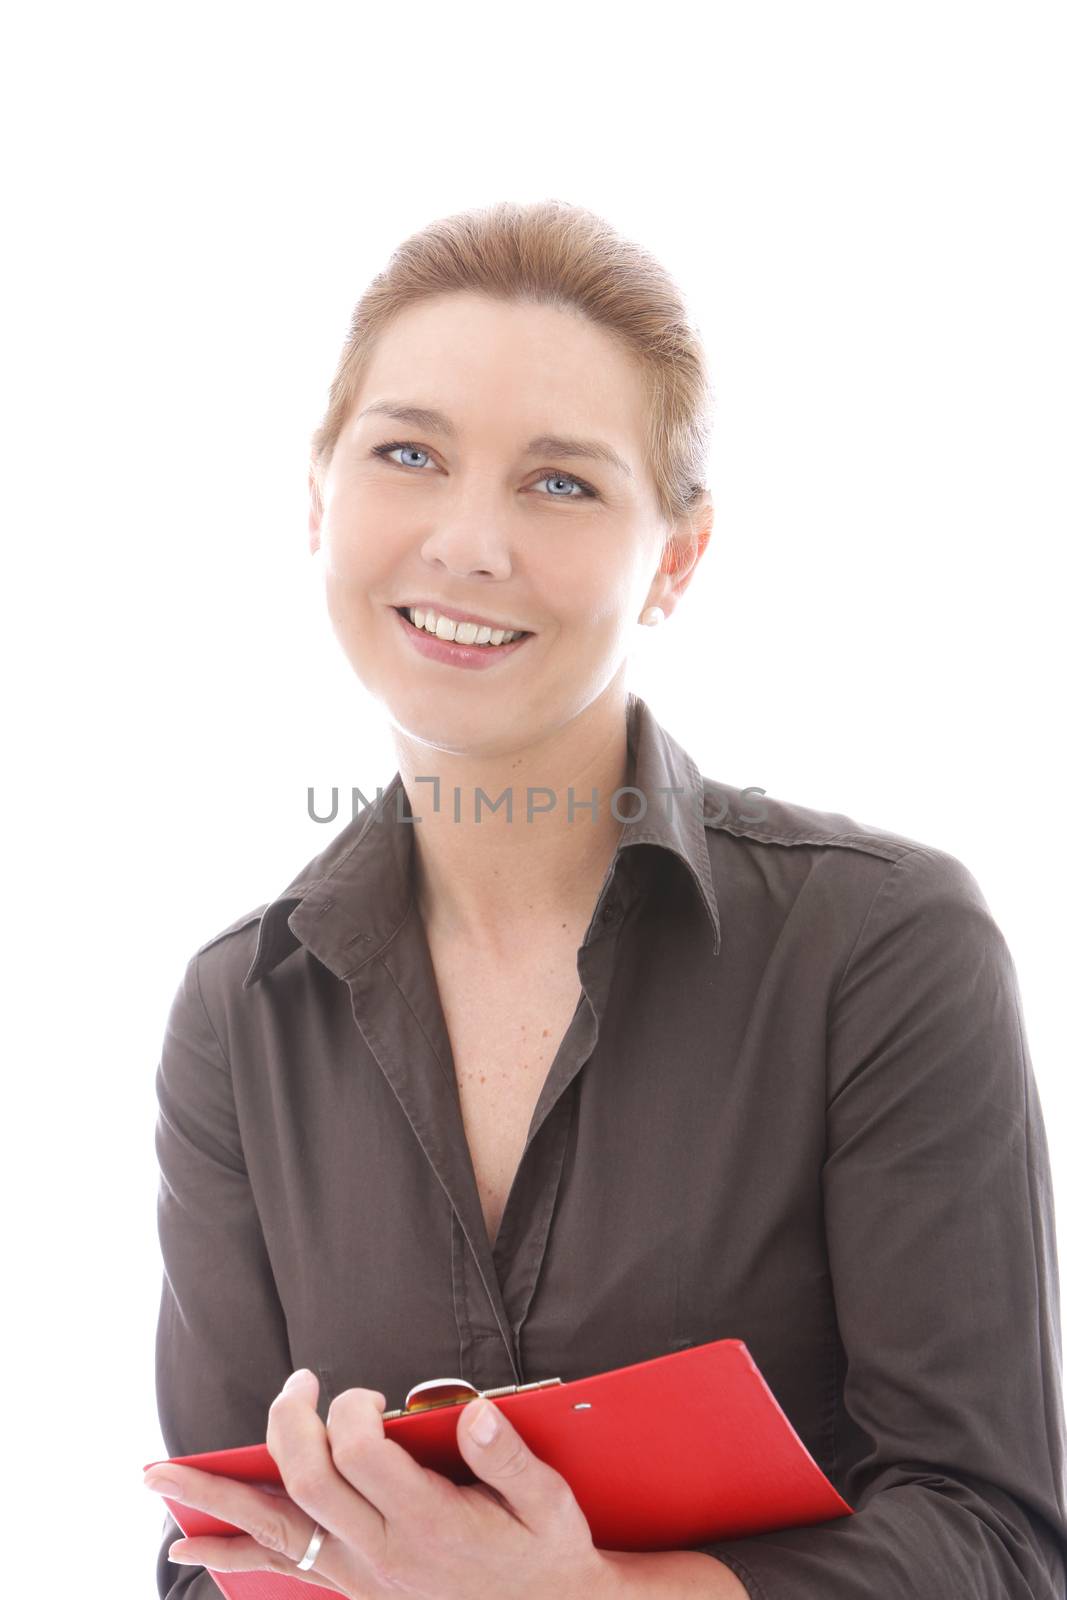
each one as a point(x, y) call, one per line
point(750, 814)
point(219, 965)
point(246, 924)
point(855, 867)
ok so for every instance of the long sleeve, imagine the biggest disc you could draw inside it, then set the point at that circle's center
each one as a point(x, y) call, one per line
point(222, 1351)
point(939, 1219)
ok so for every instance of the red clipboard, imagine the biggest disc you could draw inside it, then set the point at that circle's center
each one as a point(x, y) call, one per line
point(683, 1450)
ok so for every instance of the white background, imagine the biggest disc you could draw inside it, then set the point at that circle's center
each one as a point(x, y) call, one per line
point(863, 206)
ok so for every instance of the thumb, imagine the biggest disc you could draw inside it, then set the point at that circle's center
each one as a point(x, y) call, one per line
point(494, 1449)
point(481, 1425)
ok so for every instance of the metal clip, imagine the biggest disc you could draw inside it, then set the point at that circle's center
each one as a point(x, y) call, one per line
point(436, 1392)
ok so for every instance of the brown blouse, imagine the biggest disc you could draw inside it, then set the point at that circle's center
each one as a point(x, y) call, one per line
point(794, 1106)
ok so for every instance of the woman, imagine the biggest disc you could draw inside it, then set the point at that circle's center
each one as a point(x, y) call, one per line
point(597, 1061)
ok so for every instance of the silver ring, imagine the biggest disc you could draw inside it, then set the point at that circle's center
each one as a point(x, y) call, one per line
point(308, 1558)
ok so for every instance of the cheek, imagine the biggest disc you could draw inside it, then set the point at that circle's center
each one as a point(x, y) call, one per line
point(361, 534)
point(334, 594)
point(597, 586)
point(356, 569)
point(604, 621)
point(345, 590)
point(345, 548)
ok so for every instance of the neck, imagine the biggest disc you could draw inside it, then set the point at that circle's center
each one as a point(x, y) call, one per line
point(484, 880)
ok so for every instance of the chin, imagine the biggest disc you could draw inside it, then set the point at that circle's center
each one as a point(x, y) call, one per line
point(455, 730)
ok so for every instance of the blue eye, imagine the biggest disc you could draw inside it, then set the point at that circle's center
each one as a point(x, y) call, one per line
point(563, 477)
point(387, 450)
point(551, 474)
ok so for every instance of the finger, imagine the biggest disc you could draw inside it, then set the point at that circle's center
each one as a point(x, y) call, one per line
point(243, 1505)
point(298, 1442)
point(244, 1554)
point(377, 1467)
point(534, 1492)
point(268, 1523)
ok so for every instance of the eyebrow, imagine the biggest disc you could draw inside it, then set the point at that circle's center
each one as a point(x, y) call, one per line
point(552, 443)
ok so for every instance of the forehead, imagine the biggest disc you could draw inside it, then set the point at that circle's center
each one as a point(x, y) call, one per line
point(519, 368)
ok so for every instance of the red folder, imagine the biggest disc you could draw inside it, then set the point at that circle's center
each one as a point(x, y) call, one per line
point(683, 1450)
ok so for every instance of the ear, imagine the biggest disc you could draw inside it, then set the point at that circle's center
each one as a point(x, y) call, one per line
point(315, 509)
point(688, 539)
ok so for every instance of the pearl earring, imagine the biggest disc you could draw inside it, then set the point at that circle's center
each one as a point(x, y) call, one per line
point(651, 615)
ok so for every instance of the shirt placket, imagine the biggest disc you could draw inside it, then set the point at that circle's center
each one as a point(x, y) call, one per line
point(397, 1007)
point(522, 1241)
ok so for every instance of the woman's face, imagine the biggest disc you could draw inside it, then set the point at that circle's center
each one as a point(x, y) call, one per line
point(470, 512)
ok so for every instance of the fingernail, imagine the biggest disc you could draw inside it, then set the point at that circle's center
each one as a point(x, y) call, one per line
point(485, 1424)
point(178, 1552)
point(160, 1484)
point(301, 1375)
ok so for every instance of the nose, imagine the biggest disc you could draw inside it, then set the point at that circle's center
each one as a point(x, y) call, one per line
point(469, 545)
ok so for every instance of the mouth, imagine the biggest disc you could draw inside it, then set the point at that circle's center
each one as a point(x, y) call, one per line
point(454, 652)
point(476, 635)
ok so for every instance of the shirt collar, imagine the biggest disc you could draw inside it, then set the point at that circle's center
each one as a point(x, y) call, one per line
point(350, 899)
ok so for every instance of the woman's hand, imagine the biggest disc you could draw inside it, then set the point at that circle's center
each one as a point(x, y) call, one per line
point(390, 1523)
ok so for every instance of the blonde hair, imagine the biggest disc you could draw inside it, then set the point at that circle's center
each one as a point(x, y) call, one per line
point(552, 253)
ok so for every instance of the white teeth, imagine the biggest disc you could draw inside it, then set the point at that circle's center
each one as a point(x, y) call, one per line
point(462, 632)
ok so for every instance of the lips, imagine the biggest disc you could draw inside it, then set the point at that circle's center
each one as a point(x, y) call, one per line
point(449, 653)
point(457, 616)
